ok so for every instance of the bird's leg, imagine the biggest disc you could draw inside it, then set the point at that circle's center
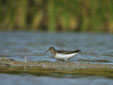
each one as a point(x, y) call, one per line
point(66, 59)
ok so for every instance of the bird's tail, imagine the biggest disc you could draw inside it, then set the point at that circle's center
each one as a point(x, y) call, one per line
point(77, 50)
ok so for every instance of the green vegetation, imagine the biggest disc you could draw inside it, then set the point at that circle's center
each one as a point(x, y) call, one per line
point(57, 15)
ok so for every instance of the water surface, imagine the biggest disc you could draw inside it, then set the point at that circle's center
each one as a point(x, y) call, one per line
point(95, 48)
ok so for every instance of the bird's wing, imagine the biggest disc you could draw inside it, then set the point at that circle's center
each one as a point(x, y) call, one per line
point(67, 52)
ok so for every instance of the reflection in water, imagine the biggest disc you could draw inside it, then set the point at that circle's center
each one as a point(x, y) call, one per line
point(23, 79)
point(96, 48)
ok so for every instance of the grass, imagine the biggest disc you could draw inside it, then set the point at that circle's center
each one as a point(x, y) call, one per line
point(57, 15)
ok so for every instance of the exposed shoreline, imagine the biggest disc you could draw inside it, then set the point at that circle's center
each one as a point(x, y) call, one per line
point(44, 67)
point(5, 62)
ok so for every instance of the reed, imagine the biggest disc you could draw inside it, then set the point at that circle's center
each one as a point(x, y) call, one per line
point(57, 15)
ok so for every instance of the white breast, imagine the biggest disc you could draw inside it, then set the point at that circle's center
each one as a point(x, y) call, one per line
point(64, 56)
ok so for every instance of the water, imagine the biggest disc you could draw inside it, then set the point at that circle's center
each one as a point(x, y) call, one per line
point(26, 79)
point(95, 48)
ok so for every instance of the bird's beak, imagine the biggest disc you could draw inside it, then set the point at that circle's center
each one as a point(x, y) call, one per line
point(46, 51)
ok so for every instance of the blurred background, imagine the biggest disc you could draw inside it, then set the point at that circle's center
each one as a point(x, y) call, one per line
point(57, 15)
point(29, 27)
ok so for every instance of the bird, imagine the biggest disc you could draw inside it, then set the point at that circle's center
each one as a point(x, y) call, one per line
point(62, 54)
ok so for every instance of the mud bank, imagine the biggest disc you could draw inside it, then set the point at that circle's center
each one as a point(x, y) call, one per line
point(44, 67)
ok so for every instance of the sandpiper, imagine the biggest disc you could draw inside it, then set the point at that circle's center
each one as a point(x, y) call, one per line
point(62, 54)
